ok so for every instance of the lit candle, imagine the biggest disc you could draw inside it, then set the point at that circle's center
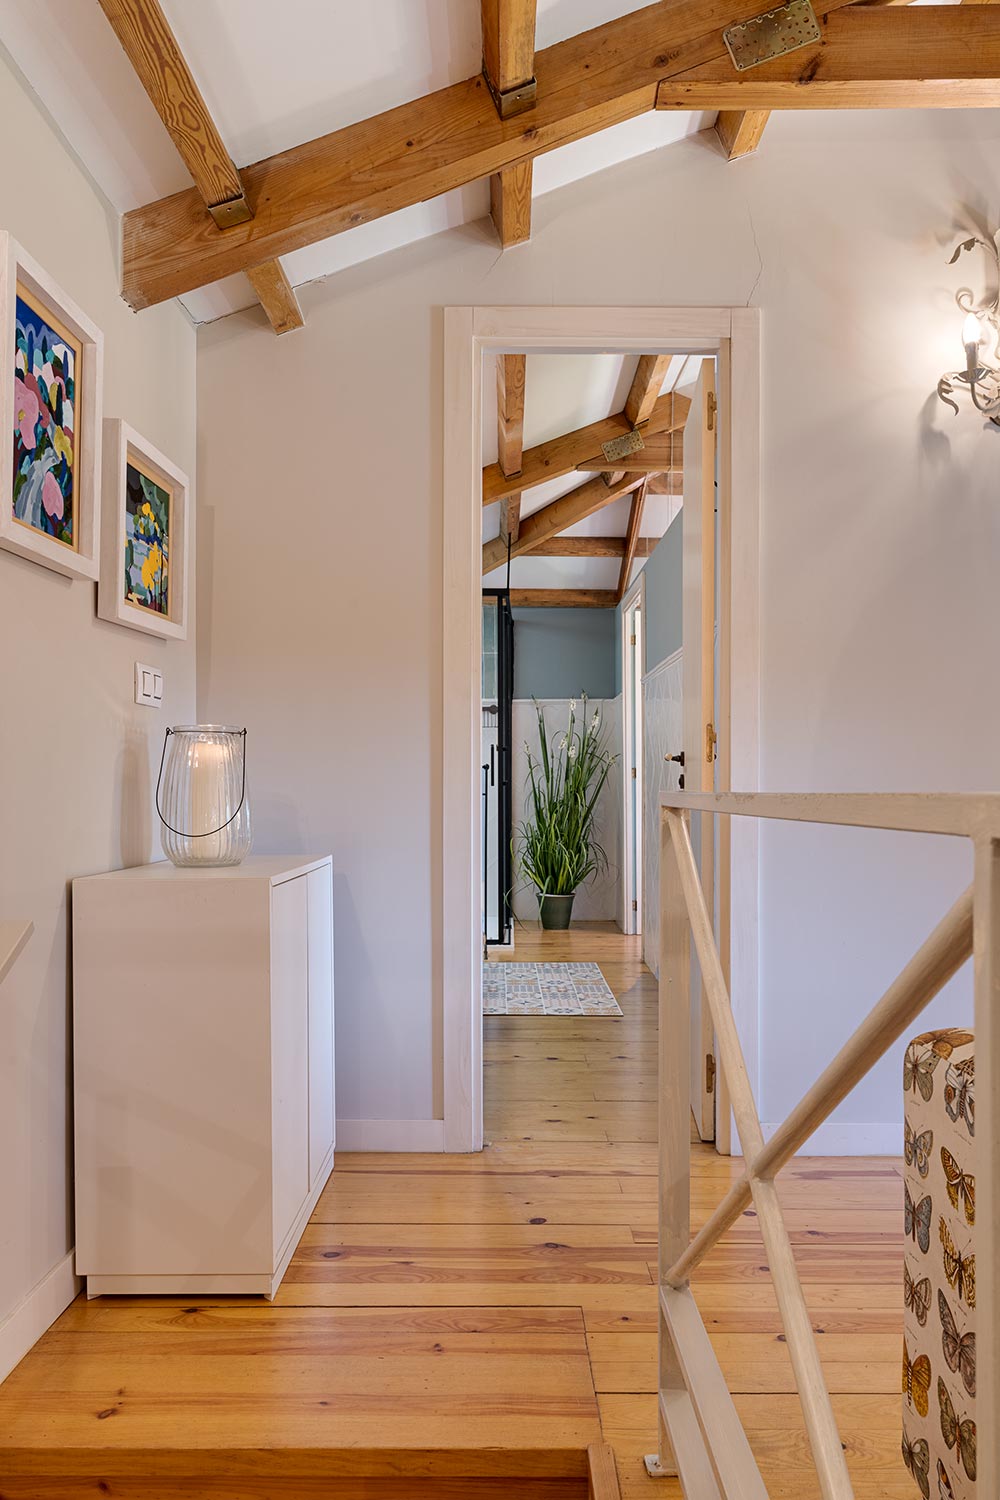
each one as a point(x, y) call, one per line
point(972, 337)
point(207, 812)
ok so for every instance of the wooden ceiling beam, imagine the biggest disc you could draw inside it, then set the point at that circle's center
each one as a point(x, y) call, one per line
point(662, 453)
point(561, 455)
point(510, 203)
point(740, 130)
point(631, 541)
point(510, 435)
point(562, 599)
point(509, 71)
point(649, 376)
point(152, 49)
point(441, 141)
point(592, 546)
point(665, 484)
point(870, 57)
point(558, 516)
point(276, 295)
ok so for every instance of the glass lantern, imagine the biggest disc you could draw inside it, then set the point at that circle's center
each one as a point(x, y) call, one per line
point(202, 797)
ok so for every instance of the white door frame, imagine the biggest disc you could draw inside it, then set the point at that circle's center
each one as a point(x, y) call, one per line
point(631, 712)
point(733, 334)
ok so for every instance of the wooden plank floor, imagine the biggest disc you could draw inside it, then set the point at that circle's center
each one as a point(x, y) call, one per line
point(505, 1300)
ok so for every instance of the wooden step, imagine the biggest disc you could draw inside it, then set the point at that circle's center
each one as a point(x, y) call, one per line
point(310, 1474)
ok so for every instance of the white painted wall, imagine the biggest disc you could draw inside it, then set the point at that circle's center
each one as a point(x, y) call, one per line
point(321, 556)
point(78, 758)
point(600, 898)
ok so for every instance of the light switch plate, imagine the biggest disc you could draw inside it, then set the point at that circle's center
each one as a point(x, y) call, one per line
point(148, 685)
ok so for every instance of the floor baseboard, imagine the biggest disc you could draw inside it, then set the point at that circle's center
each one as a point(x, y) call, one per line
point(25, 1324)
point(390, 1135)
point(873, 1138)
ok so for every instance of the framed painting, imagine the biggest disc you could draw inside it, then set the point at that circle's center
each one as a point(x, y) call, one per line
point(144, 552)
point(50, 409)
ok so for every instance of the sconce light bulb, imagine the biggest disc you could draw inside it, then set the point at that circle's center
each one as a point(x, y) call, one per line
point(972, 331)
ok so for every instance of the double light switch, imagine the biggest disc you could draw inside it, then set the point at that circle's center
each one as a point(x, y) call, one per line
point(148, 685)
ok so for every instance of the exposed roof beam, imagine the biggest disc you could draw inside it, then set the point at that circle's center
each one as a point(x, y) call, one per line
point(510, 435)
point(649, 376)
point(562, 599)
point(740, 130)
point(277, 296)
point(926, 57)
point(510, 203)
point(509, 54)
point(592, 546)
point(428, 146)
point(152, 49)
point(509, 70)
point(561, 455)
point(665, 484)
point(558, 516)
point(661, 454)
point(631, 539)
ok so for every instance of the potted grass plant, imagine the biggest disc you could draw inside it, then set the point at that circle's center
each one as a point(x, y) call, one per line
point(556, 846)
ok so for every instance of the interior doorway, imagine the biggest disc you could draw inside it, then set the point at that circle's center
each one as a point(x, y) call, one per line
point(731, 337)
point(633, 658)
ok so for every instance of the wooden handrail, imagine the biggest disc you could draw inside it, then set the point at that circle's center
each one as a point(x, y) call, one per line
point(13, 936)
point(697, 1415)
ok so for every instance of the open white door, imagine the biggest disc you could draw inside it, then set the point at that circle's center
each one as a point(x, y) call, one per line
point(698, 535)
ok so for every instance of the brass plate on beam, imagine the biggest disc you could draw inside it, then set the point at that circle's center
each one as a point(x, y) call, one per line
point(621, 447)
point(784, 29)
point(514, 101)
point(230, 212)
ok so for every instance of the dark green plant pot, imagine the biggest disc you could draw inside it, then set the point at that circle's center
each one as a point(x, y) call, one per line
point(555, 911)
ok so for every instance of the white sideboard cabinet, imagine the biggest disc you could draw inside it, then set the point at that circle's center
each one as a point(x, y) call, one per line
point(203, 1067)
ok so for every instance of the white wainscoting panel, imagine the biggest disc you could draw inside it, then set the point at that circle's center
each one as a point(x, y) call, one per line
point(662, 726)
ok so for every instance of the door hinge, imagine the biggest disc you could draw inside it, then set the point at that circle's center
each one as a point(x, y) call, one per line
point(633, 773)
point(713, 407)
point(635, 906)
point(631, 640)
point(711, 743)
point(709, 1073)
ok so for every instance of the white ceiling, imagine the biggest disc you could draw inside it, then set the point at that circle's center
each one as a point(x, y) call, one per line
point(561, 393)
point(274, 75)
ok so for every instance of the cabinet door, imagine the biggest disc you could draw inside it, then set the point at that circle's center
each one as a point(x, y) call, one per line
point(289, 1052)
point(321, 1104)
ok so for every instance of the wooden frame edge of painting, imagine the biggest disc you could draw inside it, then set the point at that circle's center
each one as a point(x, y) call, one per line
point(62, 487)
point(142, 485)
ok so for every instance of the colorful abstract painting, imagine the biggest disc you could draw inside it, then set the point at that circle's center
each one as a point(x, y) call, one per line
point(147, 540)
point(46, 401)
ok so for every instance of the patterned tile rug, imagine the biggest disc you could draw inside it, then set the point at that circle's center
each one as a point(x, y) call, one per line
point(546, 990)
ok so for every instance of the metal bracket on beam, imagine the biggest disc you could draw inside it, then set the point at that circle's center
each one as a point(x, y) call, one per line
point(231, 211)
point(783, 29)
point(621, 447)
point(510, 102)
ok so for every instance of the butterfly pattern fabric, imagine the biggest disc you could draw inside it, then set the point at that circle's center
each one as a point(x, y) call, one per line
point(939, 1275)
point(917, 1149)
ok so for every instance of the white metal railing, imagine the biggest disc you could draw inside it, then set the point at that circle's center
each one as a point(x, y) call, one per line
point(700, 1435)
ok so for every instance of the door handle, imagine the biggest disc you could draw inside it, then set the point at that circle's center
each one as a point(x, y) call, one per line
point(678, 758)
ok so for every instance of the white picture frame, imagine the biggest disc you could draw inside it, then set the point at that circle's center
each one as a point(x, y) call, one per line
point(124, 448)
point(21, 274)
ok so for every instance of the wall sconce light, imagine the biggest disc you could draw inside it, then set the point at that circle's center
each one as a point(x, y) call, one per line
point(979, 379)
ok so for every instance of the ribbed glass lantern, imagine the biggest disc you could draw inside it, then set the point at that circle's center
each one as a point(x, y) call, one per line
point(202, 796)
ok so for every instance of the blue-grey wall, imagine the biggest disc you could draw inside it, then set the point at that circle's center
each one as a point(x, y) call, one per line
point(563, 653)
point(663, 621)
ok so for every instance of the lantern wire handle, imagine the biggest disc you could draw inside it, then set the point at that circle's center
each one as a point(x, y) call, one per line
point(213, 831)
